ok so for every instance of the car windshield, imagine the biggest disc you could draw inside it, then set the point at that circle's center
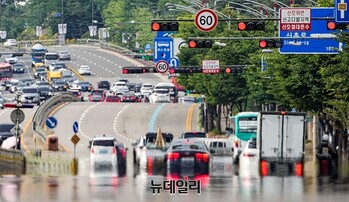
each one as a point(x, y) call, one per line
point(30, 90)
point(161, 91)
point(194, 135)
point(105, 143)
point(43, 89)
point(188, 147)
point(59, 82)
point(147, 86)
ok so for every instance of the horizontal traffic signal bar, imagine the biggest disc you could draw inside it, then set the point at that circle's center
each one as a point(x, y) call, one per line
point(337, 26)
point(18, 105)
point(239, 19)
point(261, 38)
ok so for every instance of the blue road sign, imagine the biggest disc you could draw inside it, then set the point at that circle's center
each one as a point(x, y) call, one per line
point(147, 47)
point(163, 34)
point(341, 11)
point(173, 62)
point(51, 122)
point(318, 30)
point(75, 127)
point(163, 49)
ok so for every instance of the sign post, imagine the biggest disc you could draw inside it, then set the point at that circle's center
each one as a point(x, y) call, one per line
point(206, 20)
point(17, 117)
point(75, 139)
point(341, 11)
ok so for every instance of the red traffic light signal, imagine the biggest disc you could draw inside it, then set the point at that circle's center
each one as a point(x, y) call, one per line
point(270, 43)
point(200, 44)
point(251, 26)
point(334, 26)
point(234, 70)
point(164, 26)
point(132, 70)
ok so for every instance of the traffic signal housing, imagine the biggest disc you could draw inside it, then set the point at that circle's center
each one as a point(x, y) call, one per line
point(234, 70)
point(251, 26)
point(336, 26)
point(200, 44)
point(164, 26)
point(270, 43)
point(185, 70)
point(132, 70)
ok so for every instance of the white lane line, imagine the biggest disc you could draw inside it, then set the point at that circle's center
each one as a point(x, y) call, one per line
point(115, 121)
point(82, 118)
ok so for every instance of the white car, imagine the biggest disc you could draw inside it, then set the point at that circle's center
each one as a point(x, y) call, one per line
point(84, 70)
point(146, 89)
point(103, 156)
point(250, 151)
point(119, 87)
point(10, 59)
point(160, 96)
point(10, 42)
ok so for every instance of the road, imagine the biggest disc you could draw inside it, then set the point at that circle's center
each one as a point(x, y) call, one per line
point(128, 122)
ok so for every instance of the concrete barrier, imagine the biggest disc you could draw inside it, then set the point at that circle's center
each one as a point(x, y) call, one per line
point(13, 160)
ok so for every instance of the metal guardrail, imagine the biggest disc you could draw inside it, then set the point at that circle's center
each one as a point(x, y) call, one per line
point(44, 110)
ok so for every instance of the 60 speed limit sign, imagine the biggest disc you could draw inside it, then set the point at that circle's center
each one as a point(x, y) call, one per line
point(206, 20)
point(161, 66)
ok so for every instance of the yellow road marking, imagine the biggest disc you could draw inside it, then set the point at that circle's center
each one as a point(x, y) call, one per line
point(76, 73)
point(189, 118)
point(24, 131)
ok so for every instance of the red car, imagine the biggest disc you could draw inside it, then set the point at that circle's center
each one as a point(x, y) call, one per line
point(112, 98)
point(130, 97)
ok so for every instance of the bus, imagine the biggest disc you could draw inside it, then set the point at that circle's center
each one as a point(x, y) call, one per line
point(6, 71)
point(245, 125)
point(50, 57)
point(38, 53)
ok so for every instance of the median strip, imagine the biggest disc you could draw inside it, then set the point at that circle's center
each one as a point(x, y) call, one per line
point(153, 118)
point(189, 119)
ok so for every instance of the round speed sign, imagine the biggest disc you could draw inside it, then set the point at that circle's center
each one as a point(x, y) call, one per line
point(206, 20)
point(161, 66)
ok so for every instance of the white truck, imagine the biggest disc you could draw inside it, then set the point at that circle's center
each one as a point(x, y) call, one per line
point(280, 142)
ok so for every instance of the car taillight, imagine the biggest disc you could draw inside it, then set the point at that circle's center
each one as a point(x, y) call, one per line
point(149, 165)
point(123, 153)
point(92, 150)
point(264, 168)
point(114, 150)
point(202, 157)
point(173, 156)
point(299, 169)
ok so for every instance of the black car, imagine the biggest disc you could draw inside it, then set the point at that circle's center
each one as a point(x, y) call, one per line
point(103, 84)
point(187, 157)
point(138, 87)
point(45, 92)
point(121, 155)
point(18, 68)
point(59, 85)
point(38, 71)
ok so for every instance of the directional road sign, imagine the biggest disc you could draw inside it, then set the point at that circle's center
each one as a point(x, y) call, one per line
point(75, 139)
point(17, 116)
point(163, 49)
point(206, 20)
point(75, 126)
point(173, 62)
point(51, 122)
point(319, 31)
point(341, 11)
point(162, 66)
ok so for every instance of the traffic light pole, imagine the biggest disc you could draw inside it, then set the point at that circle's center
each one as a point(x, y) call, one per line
point(320, 36)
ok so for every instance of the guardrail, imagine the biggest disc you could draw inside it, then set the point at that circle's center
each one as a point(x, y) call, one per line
point(44, 110)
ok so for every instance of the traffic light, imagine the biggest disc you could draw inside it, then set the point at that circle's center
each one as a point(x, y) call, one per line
point(234, 70)
point(18, 105)
point(270, 43)
point(251, 26)
point(132, 70)
point(200, 44)
point(164, 26)
point(185, 70)
point(334, 25)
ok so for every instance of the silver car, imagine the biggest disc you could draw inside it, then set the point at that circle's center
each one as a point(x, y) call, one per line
point(30, 95)
point(64, 55)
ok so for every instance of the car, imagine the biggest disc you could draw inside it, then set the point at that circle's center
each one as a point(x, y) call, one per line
point(10, 59)
point(146, 89)
point(64, 55)
point(2, 102)
point(119, 87)
point(130, 97)
point(250, 151)
point(103, 154)
point(18, 87)
point(38, 71)
point(82, 86)
point(95, 98)
point(98, 92)
point(187, 157)
point(193, 134)
point(42, 76)
point(28, 81)
point(30, 94)
point(84, 70)
point(10, 42)
point(5, 131)
point(137, 88)
point(160, 96)
point(103, 84)
point(121, 153)
point(112, 98)
point(18, 67)
point(42, 83)
point(187, 100)
point(59, 85)
point(76, 93)
point(45, 92)
point(131, 86)
point(171, 88)
point(9, 83)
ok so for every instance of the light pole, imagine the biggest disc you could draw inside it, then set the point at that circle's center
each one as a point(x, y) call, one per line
point(62, 12)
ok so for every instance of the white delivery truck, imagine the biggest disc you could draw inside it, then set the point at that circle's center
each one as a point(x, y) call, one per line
point(280, 142)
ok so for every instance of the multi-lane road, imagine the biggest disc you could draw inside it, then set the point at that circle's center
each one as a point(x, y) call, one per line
point(127, 122)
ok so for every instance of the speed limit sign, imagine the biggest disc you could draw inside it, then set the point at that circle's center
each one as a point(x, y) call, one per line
point(206, 20)
point(161, 66)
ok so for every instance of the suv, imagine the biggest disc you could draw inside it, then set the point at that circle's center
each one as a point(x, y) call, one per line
point(108, 153)
point(103, 84)
point(30, 95)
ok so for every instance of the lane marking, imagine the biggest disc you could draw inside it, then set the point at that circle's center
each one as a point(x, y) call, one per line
point(27, 150)
point(189, 119)
point(115, 121)
point(153, 118)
